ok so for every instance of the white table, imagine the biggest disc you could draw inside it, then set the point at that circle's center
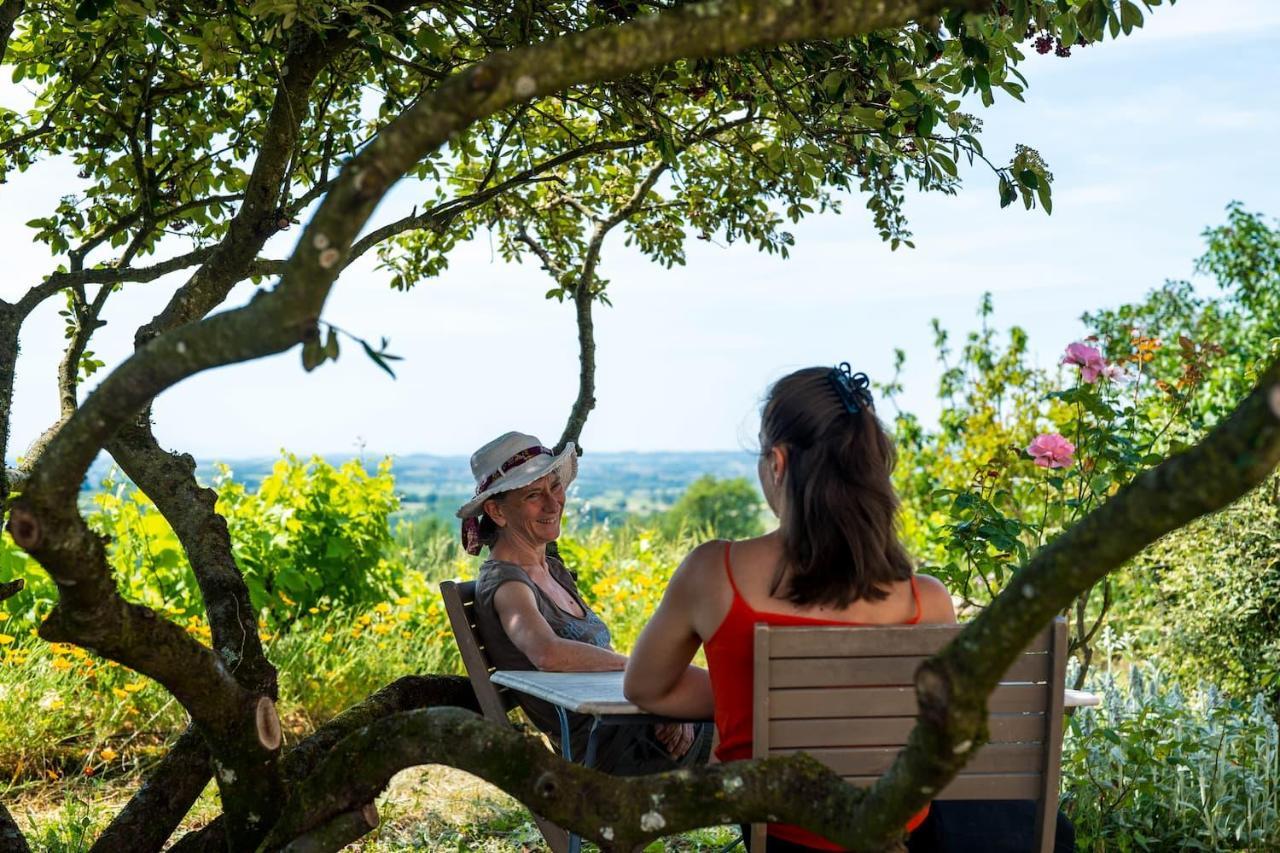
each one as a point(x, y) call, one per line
point(599, 694)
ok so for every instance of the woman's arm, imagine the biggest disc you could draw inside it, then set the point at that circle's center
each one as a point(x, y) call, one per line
point(532, 635)
point(659, 677)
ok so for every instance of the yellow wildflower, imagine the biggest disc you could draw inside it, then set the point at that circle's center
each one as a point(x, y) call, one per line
point(108, 754)
point(5, 639)
point(286, 599)
point(313, 610)
point(326, 637)
point(61, 664)
point(118, 693)
point(4, 617)
point(135, 686)
point(383, 607)
point(403, 601)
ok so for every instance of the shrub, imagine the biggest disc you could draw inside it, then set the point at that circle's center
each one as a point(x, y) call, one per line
point(1208, 598)
point(1156, 768)
point(309, 532)
point(728, 509)
point(312, 531)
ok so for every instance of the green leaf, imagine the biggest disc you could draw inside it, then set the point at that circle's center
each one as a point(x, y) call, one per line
point(1045, 194)
point(312, 354)
point(379, 359)
point(1008, 195)
point(1130, 16)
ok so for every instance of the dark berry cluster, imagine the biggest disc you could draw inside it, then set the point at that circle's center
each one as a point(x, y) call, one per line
point(1046, 42)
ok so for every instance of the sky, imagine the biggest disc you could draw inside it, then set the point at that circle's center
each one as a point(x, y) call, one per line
point(1149, 138)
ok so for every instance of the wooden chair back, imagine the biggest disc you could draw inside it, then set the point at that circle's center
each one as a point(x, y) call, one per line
point(847, 697)
point(459, 603)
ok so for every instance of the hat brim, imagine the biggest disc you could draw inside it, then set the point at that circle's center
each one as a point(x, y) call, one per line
point(535, 469)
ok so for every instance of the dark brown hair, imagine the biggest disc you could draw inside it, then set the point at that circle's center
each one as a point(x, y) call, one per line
point(839, 538)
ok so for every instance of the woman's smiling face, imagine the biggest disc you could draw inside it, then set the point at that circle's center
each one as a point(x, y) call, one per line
point(530, 514)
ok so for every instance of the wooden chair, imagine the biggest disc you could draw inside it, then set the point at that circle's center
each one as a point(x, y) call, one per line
point(495, 702)
point(847, 697)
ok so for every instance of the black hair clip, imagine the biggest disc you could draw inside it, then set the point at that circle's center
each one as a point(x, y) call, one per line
point(854, 389)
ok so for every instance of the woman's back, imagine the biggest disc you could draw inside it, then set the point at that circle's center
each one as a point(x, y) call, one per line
point(729, 647)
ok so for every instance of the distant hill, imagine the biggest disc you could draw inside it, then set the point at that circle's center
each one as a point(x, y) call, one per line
point(608, 484)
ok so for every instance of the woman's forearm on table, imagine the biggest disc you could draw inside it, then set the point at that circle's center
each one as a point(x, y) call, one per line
point(561, 655)
point(687, 698)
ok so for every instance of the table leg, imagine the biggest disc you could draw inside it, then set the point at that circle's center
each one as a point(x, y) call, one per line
point(588, 760)
point(566, 746)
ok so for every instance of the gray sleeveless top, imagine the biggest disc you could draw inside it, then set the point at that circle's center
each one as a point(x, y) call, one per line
point(503, 653)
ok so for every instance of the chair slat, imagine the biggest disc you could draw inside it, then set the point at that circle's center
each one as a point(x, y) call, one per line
point(874, 760)
point(888, 701)
point(981, 786)
point(890, 731)
point(878, 641)
point(883, 671)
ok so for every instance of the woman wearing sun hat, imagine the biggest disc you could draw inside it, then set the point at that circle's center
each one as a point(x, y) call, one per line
point(528, 610)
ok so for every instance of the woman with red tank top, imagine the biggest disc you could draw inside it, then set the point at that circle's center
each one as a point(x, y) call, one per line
point(834, 559)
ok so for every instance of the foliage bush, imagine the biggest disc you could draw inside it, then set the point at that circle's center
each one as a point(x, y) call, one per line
point(1206, 599)
point(724, 509)
point(313, 531)
point(1157, 767)
point(309, 533)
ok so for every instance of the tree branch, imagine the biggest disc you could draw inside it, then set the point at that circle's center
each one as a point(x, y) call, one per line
point(10, 326)
point(163, 800)
point(11, 838)
point(169, 480)
point(405, 694)
point(9, 12)
point(617, 813)
point(584, 294)
point(9, 589)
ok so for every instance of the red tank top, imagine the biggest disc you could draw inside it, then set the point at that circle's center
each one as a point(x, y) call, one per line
point(730, 653)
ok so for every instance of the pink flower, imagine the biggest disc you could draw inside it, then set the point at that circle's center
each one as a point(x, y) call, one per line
point(1114, 373)
point(1051, 450)
point(1088, 358)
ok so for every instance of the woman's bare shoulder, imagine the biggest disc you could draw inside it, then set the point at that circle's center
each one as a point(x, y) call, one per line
point(935, 600)
point(699, 566)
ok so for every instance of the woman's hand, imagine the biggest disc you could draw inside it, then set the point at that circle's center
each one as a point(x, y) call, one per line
point(676, 737)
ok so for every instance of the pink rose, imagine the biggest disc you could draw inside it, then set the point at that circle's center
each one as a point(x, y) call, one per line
point(1114, 373)
point(1088, 358)
point(1051, 450)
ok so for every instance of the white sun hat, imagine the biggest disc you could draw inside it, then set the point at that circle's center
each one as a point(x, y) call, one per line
point(514, 460)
